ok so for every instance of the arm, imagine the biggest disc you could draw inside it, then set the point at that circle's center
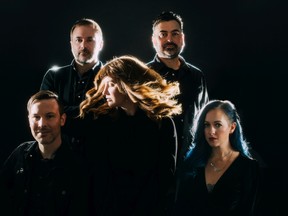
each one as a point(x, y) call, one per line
point(48, 81)
point(168, 154)
point(251, 189)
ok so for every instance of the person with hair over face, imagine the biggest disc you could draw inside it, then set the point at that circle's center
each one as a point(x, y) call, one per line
point(219, 175)
point(44, 176)
point(139, 137)
point(168, 40)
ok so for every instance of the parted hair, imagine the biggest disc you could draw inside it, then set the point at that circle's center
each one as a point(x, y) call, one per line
point(87, 22)
point(44, 95)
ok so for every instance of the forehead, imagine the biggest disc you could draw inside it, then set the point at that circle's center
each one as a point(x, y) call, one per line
point(84, 31)
point(216, 115)
point(44, 106)
point(171, 25)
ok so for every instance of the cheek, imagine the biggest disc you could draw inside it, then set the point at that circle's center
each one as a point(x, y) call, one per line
point(157, 42)
point(224, 132)
point(33, 125)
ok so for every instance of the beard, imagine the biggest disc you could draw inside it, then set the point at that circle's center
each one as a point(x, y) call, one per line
point(171, 50)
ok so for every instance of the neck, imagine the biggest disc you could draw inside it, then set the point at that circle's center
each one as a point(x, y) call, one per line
point(129, 107)
point(84, 67)
point(48, 150)
point(222, 155)
point(171, 63)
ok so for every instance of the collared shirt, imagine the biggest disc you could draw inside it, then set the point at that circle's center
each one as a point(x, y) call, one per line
point(194, 94)
point(69, 85)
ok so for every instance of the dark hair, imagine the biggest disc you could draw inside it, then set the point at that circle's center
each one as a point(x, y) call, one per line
point(87, 22)
point(200, 149)
point(45, 95)
point(167, 16)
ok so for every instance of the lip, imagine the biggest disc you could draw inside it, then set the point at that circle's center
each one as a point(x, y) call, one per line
point(43, 132)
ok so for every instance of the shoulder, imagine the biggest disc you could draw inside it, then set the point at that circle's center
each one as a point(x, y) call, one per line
point(167, 125)
point(59, 70)
point(193, 67)
point(26, 146)
point(21, 150)
point(153, 61)
point(247, 164)
point(167, 121)
point(156, 64)
point(190, 66)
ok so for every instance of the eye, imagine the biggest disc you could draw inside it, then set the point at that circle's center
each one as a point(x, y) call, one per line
point(49, 116)
point(162, 34)
point(78, 40)
point(35, 118)
point(206, 125)
point(176, 34)
point(218, 125)
point(111, 84)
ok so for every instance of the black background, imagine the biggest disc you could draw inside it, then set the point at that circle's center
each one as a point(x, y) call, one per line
point(239, 45)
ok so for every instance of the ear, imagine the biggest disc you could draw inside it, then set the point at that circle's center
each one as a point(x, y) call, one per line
point(153, 40)
point(233, 126)
point(63, 119)
point(101, 44)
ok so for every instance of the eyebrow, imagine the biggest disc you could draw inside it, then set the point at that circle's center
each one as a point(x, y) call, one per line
point(174, 30)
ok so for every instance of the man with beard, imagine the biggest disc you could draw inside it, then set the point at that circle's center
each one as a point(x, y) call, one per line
point(71, 82)
point(168, 41)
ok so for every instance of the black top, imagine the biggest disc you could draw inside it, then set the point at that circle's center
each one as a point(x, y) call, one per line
point(235, 193)
point(69, 85)
point(193, 96)
point(141, 159)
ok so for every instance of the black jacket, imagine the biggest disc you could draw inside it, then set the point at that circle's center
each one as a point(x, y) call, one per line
point(31, 185)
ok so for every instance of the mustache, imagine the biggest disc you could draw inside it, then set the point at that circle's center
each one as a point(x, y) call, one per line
point(170, 44)
point(86, 51)
point(43, 130)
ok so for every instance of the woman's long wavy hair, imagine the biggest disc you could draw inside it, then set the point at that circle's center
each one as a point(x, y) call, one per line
point(143, 85)
point(200, 150)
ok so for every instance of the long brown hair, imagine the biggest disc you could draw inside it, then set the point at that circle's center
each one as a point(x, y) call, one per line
point(144, 86)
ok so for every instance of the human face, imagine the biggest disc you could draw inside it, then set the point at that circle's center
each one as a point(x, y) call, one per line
point(86, 44)
point(111, 91)
point(168, 39)
point(45, 122)
point(218, 128)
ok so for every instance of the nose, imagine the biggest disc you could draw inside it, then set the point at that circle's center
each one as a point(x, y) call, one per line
point(169, 37)
point(83, 44)
point(105, 90)
point(42, 122)
point(212, 130)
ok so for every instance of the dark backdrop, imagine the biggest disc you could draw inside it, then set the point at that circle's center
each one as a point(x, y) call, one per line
point(240, 45)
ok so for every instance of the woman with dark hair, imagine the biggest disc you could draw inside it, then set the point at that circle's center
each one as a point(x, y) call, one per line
point(219, 175)
point(139, 135)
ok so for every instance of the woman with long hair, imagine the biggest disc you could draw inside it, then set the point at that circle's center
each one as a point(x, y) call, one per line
point(140, 136)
